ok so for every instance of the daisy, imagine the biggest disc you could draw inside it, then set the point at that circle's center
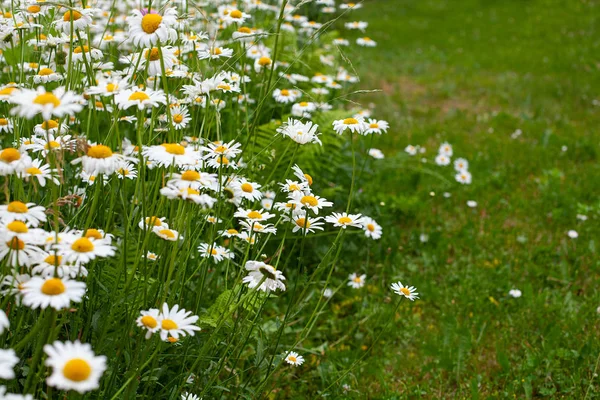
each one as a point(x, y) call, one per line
point(464, 177)
point(100, 159)
point(153, 222)
point(168, 154)
point(148, 320)
point(140, 98)
point(356, 281)
point(58, 102)
point(4, 322)
point(286, 95)
point(305, 224)
point(74, 366)
point(155, 63)
point(8, 360)
point(353, 124)
point(255, 227)
point(366, 42)
point(6, 125)
point(303, 109)
point(471, 203)
point(376, 154)
point(253, 215)
point(82, 250)
point(125, 170)
point(264, 274)
point(246, 189)
point(45, 75)
point(78, 19)
point(344, 220)
point(377, 126)
point(180, 117)
point(13, 161)
point(445, 149)
point(40, 172)
point(372, 229)
point(50, 264)
point(294, 359)
point(108, 87)
point(215, 53)
point(309, 201)
point(29, 212)
point(442, 160)
point(573, 234)
point(410, 292)
point(166, 233)
point(57, 293)
point(516, 293)
point(146, 28)
point(175, 322)
point(461, 164)
point(300, 132)
point(194, 179)
point(230, 150)
point(305, 178)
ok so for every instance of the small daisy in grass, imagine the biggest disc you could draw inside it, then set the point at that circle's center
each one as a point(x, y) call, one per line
point(366, 42)
point(8, 360)
point(294, 359)
point(372, 229)
point(376, 154)
point(446, 149)
point(377, 126)
point(345, 220)
point(216, 252)
point(57, 293)
point(264, 275)
point(74, 366)
point(460, 164)
point(4, 322)
point(516, 293)
point(464, 177)
point(168, 154)
point(442, 160)
point(175, 322)
point(410, 292)
point(356, 281)
point(148, 320)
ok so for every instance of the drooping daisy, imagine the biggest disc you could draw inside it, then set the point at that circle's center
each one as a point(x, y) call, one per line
point(266, 275)
point(58, 102)
point(74, 366)
point(356, 281)
point(306, 178)
point(176, 322)
point(57, 293)
point(147, 28)
point(8, 360)
point(344, 220)
point(410, 292)
point(148, 320)
point(294, 359)
point(372, 229)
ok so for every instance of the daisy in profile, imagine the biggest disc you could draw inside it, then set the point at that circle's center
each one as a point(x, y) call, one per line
point(146, 28)
point(57, 293)
point(372, 229)
point(50, 264)
point(6, 125)
point(264, 275)
point(82, 250)
point(230, 150)
point(153, 222)
point(214, 251)
point(305, 178)
point(175, 322)
point(8, 360)
point(300, 132)
point(410, 292)
point(294, 359)
point(140, 98)
point(148, 320)
point(26, 212)
point(366, 42)
point(464, 177)
point(58, 102)
point(356, 281)
point(74, 366)
point(167, 234)
point(355, 125)
point(246, 189)
point(345, 220)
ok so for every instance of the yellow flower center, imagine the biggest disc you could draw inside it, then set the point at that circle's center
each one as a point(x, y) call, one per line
point(357, 279)
point(190, 176)
point(217, 51)
point(111, 87)
point(7, 90)
point(154, 221)
point(149, 321)
point(237, 14)
point(45, 72)
point(53, 287)
point(151, 22)
point(53, 144)
point(405, 291)
point(168, 233)
point(350, 121)
point(16, 244)
point(243, 29)
point(309, 179)
point(284, 92)
point(292, 359)
point(139, 96)
point(9, 155)
point(232, 231)
point(371, 227)
point(81, 49)
point(82, 245)
point(224, 86)
point(178, 118)
point(33, 171)
point(264, 61)
point(191, 191)
point(3, 121)
point(344, 220)
point(309, 200)
point(93, 233)
point(50, 124)
point(153, 54)
point(168, 324)
point(17, 227)
point(254, 215)
point(246, 187)
point(222, 160)
point(47, 98)
point(71, 15)
point(174, 148)
point(304, 104)
point(302, 222)
point(374, 126)
point(17, 207)
point(99, 151)
point(53, 260)
point(34, 9)
point(77, 370)
point(220, 149)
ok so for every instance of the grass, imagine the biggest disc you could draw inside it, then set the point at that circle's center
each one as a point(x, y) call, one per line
point(471, 72)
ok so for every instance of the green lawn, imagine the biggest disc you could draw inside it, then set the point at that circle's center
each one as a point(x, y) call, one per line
point(471, 72)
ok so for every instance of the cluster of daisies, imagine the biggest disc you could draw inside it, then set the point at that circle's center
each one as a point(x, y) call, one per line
point(154, 105)
point(444, 158)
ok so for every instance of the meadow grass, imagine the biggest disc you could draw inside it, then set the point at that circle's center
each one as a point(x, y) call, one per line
point(472, 73)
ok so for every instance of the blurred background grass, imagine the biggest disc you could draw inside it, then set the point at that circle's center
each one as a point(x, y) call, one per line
point(472, 72)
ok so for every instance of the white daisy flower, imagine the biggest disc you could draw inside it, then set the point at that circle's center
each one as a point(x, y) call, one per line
point(82, 250)
point(300, 132)
point(366, 42)
point(167, 234)
point(372, 229)
point(266, 275)
point(148, 320)
point(13, 161)
point(355, 125)
point(376, 154)
point(356, 281)
point(442, 160)
point(30, 213)
point(8, 360)
point(294, 359)
point(139, 98)
point(410, 292)
point(344, 220)
point(445, 149)
point(573, 234)
point(4, 322)
point(153, 222)
point(148, 28)
point(308, 201)
point(253, 215)
point(168, 154)
point(175, 323)
point(58, 102)
point(77, 19)
point(74, 366)
point(57, 293)
point(464, 177)
point(461, 164)
point(377, 126)
point(246, 189)
point(516, 293)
